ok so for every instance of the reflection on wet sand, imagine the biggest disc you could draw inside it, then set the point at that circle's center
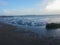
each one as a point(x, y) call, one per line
point(9, 36)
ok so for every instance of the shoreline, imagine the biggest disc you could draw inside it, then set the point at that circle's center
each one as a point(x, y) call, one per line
point(8, 36)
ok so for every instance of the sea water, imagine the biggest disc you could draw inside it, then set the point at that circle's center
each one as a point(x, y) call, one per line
point(36, 23)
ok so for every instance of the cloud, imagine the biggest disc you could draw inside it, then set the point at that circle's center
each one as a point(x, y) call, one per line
point(18, 12)
point(53, 8)
point(46, 7)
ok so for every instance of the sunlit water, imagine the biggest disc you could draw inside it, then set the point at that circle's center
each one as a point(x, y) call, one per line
point(35, 23)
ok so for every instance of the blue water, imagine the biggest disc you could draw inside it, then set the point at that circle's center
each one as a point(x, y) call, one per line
point(35, 23)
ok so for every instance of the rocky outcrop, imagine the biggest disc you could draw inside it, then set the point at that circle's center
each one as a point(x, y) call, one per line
point(52, 25)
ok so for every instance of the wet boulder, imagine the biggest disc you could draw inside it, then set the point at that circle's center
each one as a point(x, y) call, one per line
point(52, 25)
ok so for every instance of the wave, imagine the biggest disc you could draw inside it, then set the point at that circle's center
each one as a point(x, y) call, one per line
point(23, 21)
point(29, 21)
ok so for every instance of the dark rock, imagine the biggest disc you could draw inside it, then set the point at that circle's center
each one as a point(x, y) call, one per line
point(52, 25)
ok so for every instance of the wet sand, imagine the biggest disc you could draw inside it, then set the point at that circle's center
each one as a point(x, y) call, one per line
point(9, 36)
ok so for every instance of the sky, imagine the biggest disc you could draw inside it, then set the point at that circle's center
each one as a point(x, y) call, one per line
point(29, 7)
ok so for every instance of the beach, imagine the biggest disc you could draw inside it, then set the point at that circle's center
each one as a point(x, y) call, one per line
point(28, 30)
point(9, 36)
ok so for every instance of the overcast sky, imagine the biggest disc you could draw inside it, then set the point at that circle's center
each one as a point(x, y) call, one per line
point(29, 7)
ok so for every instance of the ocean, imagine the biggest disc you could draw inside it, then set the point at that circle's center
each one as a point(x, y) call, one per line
point(36, 23)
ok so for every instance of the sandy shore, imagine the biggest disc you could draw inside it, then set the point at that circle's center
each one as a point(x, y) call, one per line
point(9, 36)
